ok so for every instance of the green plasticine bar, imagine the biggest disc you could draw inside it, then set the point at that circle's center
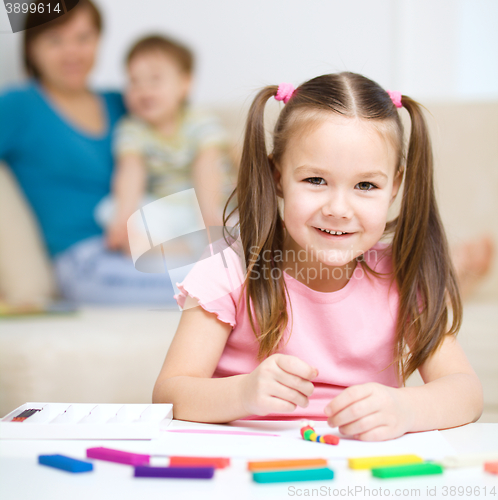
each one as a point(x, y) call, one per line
point(284, 476)
point(407, 470)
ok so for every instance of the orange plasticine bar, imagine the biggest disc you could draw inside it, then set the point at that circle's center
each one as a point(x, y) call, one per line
point(300, 463)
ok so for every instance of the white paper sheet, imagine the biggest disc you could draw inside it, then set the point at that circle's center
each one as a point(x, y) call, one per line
point(284, 441)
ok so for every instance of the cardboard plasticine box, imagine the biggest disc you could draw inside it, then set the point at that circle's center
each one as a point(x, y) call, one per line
point(86, 421)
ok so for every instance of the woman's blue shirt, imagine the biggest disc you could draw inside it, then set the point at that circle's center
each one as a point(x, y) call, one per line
point(63, 170)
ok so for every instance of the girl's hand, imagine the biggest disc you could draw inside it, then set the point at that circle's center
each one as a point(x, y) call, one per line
point(278, 385)
point(371, 412)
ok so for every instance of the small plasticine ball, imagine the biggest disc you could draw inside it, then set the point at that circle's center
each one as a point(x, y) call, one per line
point(304, 429)
point(331, 439)
point(308, 433)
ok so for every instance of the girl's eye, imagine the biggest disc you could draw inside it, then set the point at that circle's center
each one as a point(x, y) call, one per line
point(366, 184)
point(314, 180)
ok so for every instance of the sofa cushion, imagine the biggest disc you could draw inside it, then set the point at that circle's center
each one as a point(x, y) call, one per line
point(26, 276)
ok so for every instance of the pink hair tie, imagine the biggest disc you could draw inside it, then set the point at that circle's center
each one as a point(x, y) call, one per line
point(395, 98)
point(284, 92)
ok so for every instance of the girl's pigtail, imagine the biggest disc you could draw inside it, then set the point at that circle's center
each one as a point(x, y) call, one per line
point(261, 231)
point(421, 257)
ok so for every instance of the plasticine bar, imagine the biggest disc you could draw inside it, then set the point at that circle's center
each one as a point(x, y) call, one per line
point(407, 470)
point(286, 464)
point(120, 457)
point(65, 463)
point(25, 414)
point(371, 462)
point(216, 462)
point(491, 467)
point(175, 472)
point(284, 476)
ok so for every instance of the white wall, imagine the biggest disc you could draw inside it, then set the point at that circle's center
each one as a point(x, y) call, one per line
point(429, 49)
point(478, 49)
point(244, 45)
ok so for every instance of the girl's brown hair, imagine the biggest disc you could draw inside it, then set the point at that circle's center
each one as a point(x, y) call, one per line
point(422, 267)
point(39, 22)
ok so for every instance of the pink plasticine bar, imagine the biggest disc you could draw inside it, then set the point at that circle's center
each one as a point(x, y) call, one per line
point(120, 457)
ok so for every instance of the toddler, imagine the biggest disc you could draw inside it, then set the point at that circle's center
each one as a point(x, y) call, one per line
point(164, 147)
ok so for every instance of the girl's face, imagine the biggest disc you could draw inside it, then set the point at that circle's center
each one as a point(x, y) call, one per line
point(65, 55)
point(337, 177)
point(157, 87)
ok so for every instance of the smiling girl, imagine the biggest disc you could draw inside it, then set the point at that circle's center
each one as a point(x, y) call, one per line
point(317, 317)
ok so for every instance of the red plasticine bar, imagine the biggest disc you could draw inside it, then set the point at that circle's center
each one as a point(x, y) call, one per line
point(491, 467)
point(216, 462)
point(120, 457)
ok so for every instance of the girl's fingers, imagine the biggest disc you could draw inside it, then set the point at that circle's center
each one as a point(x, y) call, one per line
point(355, 411)
point(362, 425)
point(294, 382)
point(288, 394)
point(347, 397)
point(278, 405)
point(380, 433)
point(295, 366)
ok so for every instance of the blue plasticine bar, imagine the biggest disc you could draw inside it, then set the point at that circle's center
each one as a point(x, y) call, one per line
point(65, 463)
point(175, 472)
point(285, 476)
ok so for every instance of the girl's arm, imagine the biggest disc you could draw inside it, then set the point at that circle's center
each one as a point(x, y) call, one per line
point(452, 393)
point(185, 378)
point(208, 181)
point(129, 185)
point(451, 396)
point(279, 384)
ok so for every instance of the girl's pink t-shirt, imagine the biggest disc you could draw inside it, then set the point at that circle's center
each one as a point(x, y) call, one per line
point(348, 335)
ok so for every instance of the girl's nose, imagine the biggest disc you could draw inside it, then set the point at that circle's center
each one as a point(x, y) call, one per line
point(337, 205)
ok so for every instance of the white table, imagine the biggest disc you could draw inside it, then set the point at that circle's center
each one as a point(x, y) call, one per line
point(22, 478)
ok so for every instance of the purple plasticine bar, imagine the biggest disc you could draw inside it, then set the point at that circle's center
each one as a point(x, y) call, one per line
point(120, 457)
point(175, 472)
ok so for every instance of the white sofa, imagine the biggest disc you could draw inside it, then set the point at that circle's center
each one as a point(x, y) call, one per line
point(114, 355)
point(95, 355)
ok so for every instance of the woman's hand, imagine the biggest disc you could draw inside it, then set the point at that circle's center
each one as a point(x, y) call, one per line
point(278, 385)
point(371, 412)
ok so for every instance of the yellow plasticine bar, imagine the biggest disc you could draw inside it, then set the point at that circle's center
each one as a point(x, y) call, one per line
point(371, 462)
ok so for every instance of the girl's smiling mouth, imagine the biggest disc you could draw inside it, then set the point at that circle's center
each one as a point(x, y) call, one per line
point(330, 233)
